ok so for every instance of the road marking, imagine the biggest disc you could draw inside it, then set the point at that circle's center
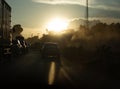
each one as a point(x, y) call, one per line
point(66, 75)
point(51, 76)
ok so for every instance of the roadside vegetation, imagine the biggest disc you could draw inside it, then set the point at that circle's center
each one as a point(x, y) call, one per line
point(97, 47)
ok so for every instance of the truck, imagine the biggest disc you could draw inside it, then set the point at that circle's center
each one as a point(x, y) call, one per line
point(5, 26)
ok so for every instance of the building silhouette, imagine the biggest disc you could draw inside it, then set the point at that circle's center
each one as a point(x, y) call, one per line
point(5, 19)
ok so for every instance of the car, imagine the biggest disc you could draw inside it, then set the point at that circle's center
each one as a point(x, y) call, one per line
point(50, 50)
point(24, 46)
point(16, 48)
point(23, 43)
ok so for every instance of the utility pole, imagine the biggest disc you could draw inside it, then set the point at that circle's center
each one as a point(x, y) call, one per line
point(87, 15)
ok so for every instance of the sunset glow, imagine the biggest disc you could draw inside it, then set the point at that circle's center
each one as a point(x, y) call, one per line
point(57, 25)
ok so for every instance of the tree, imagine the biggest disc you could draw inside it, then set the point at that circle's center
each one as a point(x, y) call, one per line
point(16, 30)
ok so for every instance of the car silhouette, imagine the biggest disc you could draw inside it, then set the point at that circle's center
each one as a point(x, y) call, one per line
point(50, 50)
point(16, 48)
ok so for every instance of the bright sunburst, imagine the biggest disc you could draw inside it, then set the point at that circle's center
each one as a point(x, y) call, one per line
point(57, 25)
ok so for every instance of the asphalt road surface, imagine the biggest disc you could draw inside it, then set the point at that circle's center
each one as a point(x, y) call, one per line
point(30, 69)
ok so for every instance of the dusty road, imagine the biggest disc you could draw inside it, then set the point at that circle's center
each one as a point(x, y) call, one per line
point(30, 69)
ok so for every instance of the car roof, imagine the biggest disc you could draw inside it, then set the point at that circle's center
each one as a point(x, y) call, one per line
point(50, 43)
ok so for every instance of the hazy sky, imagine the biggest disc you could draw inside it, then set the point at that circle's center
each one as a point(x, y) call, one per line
point(34, 14)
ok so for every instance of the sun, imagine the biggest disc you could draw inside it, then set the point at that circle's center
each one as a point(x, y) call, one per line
point(57, 25)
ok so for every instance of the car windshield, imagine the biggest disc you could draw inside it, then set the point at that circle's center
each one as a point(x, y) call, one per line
point(57, 44)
